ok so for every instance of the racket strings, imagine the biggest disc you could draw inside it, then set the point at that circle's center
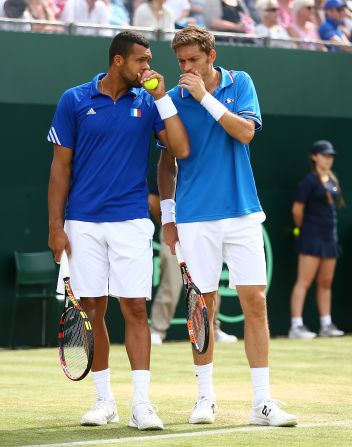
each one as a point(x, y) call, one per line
point(75, 342)
point(196, 316)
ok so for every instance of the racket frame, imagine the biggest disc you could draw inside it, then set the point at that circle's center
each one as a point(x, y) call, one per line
point(189, 285)
point(70, 299)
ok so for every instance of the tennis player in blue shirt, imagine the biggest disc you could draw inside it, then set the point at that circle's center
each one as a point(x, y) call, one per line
point(101, 134)
point(218, 214)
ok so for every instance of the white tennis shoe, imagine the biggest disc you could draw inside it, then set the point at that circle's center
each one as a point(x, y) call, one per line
point(301, 332)
point(203, 411)
point(270, 413)
point(222, 337)
point(144, 417)
point(156, 339)
point(102, 412)
point(330, 331)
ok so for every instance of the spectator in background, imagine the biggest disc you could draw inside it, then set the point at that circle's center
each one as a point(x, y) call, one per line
point(156, 14)
point(14, 9)
point(228, 15)
point(181, 10)
point(286, 13)
point(319, 15)
point(252, 10)
point(314, 214)
point(270, 27)
point(87, 11)
point(197, 11)
point(304, 26)
point(57, 6)
point(119, 12)
point(41, 10)
point(170, 286)
point(348, 19)
point(332, 28)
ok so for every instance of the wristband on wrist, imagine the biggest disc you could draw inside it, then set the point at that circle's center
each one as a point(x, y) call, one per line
point(166, 107)
point(168, 211)
point(213, 106)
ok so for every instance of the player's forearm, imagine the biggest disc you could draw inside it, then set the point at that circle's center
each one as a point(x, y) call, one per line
point(298, 214)
point(240, 128)
point(178, 143)
point(237, 127)
point(59, 185)
point(167, 175)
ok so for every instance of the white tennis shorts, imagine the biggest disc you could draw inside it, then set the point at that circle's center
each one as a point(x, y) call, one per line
point(237, 241)
point(110, 258)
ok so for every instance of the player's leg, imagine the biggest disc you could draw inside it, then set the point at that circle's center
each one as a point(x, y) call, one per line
point(307, 270)
point(137, 334)
point(167, 295)
point(201, 244)
point(89, 278)
point(219, 335)
point(324, 281)
point(245, 257)
point(130, 254)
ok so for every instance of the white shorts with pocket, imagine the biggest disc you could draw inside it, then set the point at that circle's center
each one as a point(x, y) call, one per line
point(110, 258)
point(237, 241)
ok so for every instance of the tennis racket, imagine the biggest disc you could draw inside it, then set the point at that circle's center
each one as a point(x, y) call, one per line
point(76, 343)
point(197, 312)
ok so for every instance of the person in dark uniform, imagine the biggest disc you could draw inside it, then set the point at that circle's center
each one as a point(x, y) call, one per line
point(314, 214)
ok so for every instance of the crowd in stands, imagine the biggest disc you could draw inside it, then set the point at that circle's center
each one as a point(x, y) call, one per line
point(280, 23)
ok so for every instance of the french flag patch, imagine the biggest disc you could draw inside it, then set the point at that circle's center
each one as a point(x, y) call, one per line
point(137, 113)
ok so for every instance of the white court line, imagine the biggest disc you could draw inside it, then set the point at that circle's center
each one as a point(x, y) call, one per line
point(221, 431)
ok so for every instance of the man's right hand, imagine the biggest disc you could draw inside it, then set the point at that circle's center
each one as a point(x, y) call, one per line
point(170, 235)
point(58, 242)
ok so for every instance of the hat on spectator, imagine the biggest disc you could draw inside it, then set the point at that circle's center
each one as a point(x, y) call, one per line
point(14, 9)
point(323, 147)
point(299, 4)
point(331, 4)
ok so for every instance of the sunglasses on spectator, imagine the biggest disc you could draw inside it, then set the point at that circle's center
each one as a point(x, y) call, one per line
point(340, 8)
point(310, 7)
point(271, 9)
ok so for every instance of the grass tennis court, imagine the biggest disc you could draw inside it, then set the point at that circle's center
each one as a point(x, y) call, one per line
point(39, 406)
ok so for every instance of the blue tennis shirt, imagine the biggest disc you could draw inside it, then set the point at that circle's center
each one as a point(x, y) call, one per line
point(111, 144)
point(216, 181)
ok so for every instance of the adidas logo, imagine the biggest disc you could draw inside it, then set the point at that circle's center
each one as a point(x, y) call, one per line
point(91, 111)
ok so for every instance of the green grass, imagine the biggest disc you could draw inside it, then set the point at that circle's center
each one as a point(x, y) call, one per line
point(38, 405)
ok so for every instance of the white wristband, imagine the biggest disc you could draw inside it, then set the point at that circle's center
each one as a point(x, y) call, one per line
point(214, 107)
point(168, 212)
point(166, 107)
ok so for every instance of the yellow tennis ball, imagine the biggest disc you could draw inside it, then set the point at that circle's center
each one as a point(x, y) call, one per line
point(296, 231)
point(151, 84)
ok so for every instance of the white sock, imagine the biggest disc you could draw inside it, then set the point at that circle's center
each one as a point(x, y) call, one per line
point(296, 321)
point(141, 381)
point(101, 381)
point(325, 320)
point(260, 384)
point(204, 375)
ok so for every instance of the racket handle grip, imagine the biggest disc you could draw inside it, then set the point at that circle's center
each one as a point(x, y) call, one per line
point(65, 271)
point(179, 253)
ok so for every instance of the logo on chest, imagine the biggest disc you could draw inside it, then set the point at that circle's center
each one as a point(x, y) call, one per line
point(91, 111)
point(136, 113)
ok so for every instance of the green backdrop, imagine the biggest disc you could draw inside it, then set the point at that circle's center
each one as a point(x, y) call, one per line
point(304, 96)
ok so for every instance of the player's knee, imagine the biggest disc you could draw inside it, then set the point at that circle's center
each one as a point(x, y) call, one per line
point(256, 306)
point(134, 311)
point(325, 283)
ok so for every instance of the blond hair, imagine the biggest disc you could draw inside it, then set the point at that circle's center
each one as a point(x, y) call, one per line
point(194, 35)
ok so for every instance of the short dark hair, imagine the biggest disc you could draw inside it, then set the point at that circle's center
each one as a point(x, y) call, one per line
point(122, 43)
